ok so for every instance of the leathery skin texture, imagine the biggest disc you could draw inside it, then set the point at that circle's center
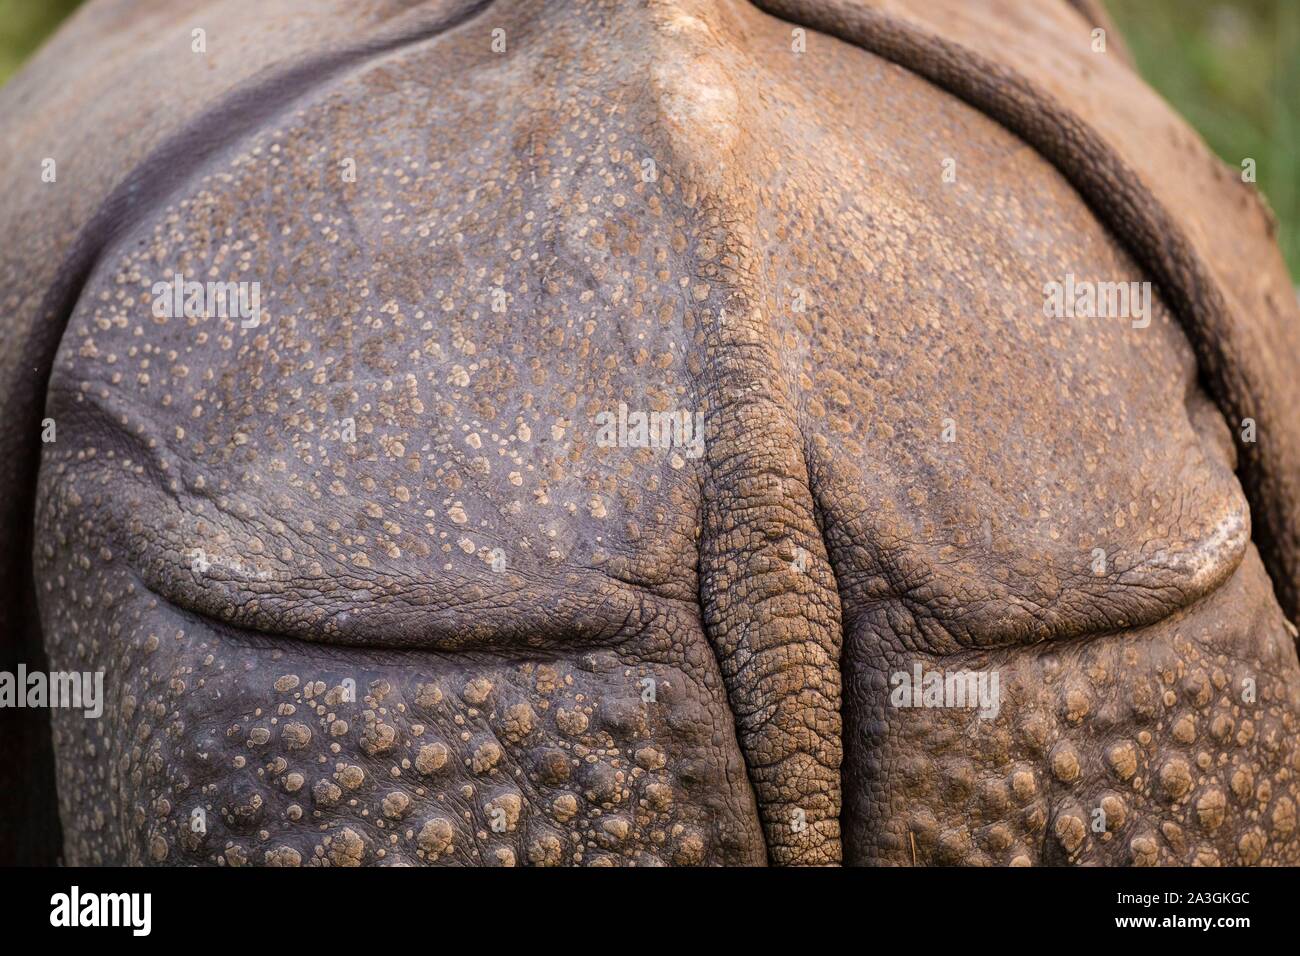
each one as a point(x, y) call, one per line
point(369, 587)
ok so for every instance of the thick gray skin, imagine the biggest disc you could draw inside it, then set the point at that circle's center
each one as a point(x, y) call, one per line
point(502, 590)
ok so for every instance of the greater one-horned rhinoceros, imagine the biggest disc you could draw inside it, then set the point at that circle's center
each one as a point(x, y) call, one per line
point(640, 432)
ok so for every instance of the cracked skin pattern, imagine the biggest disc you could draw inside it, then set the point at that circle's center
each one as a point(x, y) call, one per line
point(571, 654)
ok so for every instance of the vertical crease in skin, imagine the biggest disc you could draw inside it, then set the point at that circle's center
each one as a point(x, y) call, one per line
point(771, 610)
point(768, 598)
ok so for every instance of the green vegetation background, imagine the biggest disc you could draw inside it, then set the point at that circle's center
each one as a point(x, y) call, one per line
point(1232, 67)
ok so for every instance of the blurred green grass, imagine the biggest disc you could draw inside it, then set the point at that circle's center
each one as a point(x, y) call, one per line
point(23, 25)
point(1232, 67)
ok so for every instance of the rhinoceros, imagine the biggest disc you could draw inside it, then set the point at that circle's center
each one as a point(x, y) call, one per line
point(659, 432)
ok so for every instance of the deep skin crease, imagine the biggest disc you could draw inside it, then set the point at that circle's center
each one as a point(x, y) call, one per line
point(569, 654)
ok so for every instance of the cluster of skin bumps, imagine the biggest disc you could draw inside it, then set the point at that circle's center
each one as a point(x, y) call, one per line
point(494, 765)
point(1174, 745)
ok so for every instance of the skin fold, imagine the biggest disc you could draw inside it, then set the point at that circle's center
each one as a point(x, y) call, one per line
point(366, 582)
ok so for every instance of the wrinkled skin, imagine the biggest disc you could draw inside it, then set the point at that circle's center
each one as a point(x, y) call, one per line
point(502, 589)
